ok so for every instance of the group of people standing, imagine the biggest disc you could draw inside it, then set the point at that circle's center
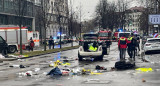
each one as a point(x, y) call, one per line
point(130, 44)
point(50, 43)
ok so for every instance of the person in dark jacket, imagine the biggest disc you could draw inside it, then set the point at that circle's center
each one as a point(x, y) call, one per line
point(129, 46)
point(50, 42)
point(31, 44)
point(133, 47)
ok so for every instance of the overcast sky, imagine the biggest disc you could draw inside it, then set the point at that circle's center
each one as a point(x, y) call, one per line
point(88, 7)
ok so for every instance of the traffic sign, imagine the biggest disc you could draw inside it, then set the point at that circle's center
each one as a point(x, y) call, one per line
point(154, 19)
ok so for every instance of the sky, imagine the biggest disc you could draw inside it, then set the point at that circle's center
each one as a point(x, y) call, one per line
point(88, 7)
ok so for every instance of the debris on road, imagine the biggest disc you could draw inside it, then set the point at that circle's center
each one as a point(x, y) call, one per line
point(55, 71)
point(1, 56)
point(100, 68)
point(18, 66)
point(144, 69)
point(143, 80)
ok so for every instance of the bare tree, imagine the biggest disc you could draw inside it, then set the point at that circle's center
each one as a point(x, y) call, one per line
point(20, 7)
point(45, 17)
point(106, 13)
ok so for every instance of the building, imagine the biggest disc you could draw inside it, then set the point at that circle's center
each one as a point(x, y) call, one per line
point(9, 13)
point(132, 18)
point(59, 12)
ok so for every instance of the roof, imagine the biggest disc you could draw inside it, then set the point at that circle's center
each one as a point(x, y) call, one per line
point(152, 38)
point(11, 28)
point(139, 9)
point(104, 31)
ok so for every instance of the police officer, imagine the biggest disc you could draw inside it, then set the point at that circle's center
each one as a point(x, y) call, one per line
point(122, 45)
point(129, 46)
point(133, 45)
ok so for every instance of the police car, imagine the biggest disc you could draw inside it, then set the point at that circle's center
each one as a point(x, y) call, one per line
point(152, 44)
point(90, 47)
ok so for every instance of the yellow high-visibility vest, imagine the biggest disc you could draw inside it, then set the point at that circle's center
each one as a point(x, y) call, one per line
point(129, 39)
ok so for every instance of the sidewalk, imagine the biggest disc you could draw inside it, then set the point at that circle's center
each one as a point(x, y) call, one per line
point(37, 52)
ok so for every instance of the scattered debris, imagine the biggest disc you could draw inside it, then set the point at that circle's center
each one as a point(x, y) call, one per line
point(143, 80)
point(144, 69)
point(1, 56)
point(18, 66)
point(55, 71)
point(100, 68)
point(29, 73)
point(113, 69)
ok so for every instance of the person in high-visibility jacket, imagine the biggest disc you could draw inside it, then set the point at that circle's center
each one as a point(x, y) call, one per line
point(122, 45)
point(91, 48)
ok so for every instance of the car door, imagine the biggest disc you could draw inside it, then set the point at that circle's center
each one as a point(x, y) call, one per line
point(2, 44)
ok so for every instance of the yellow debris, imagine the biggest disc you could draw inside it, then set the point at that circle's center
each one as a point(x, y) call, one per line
point(95, 73)
point(145, 69)
point(26, 55)
point(57, 63)
point(66, 64)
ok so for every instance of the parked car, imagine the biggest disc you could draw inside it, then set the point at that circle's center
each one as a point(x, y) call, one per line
point(3, 46)
point(83, 51)
point(152, 44)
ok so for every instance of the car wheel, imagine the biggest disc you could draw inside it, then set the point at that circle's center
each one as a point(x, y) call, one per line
point(12, 49)
point(80, 57)
point(4, 52)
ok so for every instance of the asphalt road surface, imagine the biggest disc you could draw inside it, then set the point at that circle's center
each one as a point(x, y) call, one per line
point(13, 76)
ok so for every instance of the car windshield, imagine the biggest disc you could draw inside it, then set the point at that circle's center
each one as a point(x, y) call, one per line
point(90, 37)
point(1, 40)
point(124, 34)
point(103, 34)
point(153, 40)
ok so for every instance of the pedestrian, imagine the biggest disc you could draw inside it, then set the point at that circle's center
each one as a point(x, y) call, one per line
point(122, 45)
point(50, 42)
point(53, 45)
point(138, 42)
point(31, 44)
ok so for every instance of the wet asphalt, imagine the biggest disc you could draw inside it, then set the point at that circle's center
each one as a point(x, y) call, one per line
point(13, 76)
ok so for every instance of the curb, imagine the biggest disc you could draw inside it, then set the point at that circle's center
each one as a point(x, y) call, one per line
point(12, 59)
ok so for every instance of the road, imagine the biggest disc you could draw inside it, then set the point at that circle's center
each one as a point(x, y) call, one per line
point(11, 76)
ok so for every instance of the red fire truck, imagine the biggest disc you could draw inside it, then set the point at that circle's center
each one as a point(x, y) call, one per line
point(105, 37)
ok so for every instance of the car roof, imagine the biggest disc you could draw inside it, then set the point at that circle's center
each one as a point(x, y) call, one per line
point(152, 38)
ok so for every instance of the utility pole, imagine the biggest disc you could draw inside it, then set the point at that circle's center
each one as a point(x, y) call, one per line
point(80, 21)
point(71, 21)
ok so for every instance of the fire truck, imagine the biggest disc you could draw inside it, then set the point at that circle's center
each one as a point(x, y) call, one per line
point(11, 34)
point(104, 37)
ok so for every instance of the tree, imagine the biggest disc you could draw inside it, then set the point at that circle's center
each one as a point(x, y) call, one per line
point(45, 17)
point(61, 16)
point(20, 7)
point(106, 13)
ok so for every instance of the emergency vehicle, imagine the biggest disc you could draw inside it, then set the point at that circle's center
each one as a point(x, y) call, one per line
point(104, 37)
point(11, 34)
point(125, 34)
